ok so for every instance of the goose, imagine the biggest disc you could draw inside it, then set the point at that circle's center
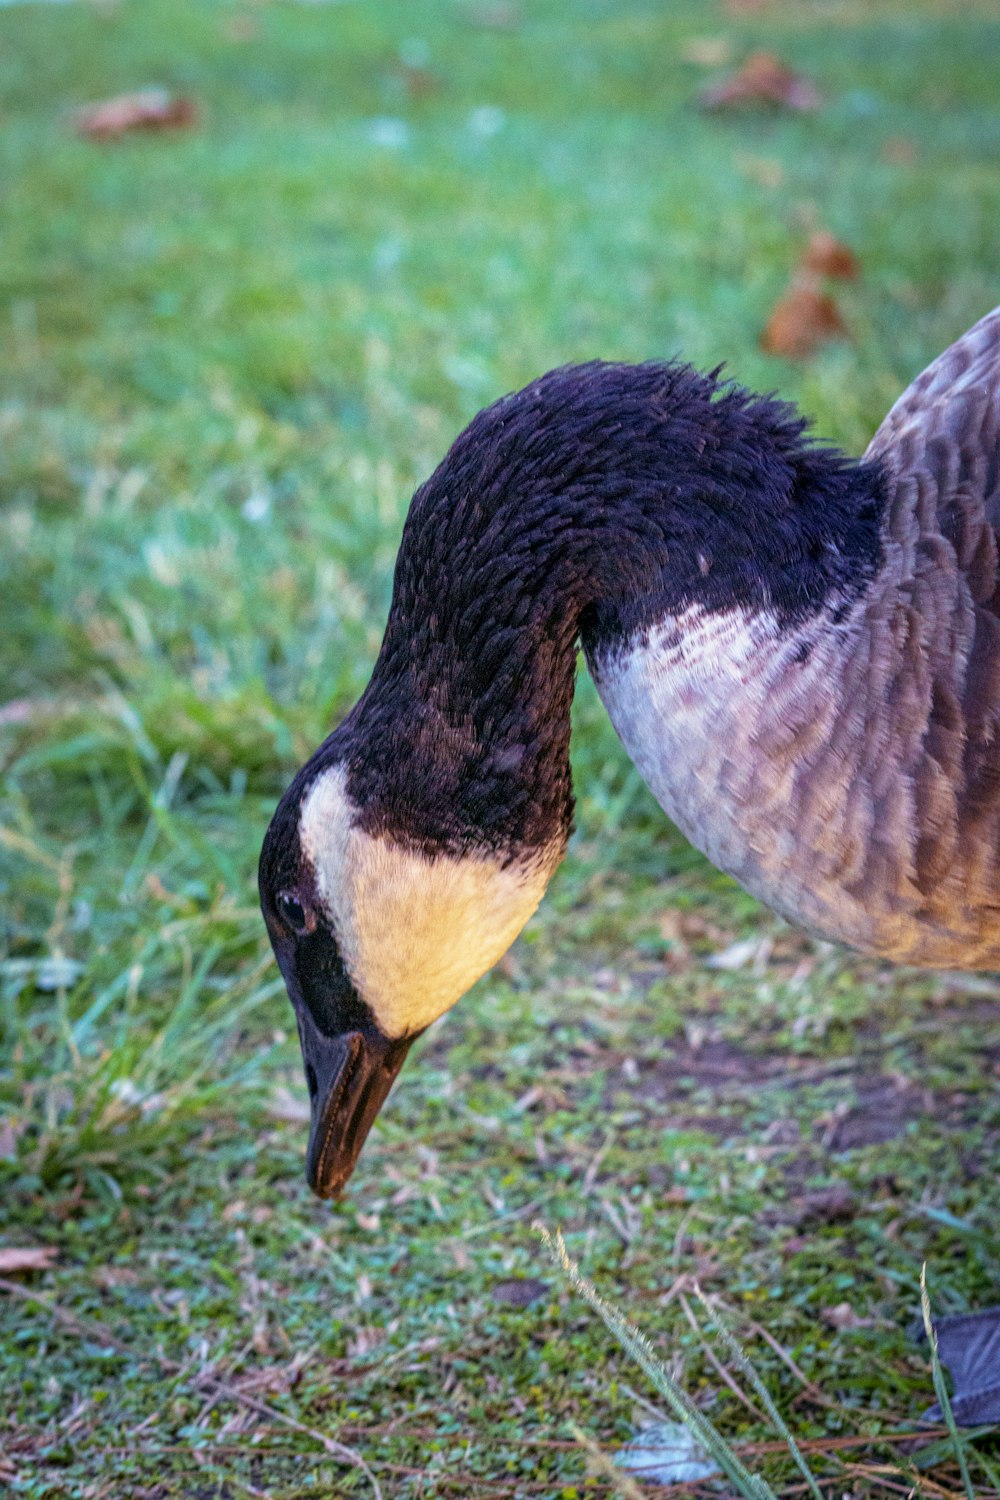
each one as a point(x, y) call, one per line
point(799, 650)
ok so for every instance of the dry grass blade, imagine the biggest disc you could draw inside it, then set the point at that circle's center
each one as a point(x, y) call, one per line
point(623, 1484)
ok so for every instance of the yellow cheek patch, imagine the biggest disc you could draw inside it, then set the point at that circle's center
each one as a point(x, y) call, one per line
point(415, 932)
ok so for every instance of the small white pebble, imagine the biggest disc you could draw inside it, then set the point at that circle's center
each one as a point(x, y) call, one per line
point(487, 120)
point(391, 133)
point(256, 507)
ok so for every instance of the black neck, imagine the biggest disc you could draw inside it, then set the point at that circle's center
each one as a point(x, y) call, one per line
point(592, 503)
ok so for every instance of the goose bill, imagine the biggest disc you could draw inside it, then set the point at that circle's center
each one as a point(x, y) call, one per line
point(349, 1077)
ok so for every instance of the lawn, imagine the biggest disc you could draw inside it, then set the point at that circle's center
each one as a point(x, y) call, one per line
point(229, 354)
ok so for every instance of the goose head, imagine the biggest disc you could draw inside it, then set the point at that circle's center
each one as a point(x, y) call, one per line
point(376, 936)
point(412, 848)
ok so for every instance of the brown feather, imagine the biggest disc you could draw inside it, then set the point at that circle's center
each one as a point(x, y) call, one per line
point(933, 622)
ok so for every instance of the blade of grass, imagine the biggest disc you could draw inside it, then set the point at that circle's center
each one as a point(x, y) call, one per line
point(940, 1387)
point(750, 1485)
point(746, 1368)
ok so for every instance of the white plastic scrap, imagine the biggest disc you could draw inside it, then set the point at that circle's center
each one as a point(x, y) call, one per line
point(666, 1453)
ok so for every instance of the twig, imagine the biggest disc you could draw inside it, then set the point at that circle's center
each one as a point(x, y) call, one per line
point(590, 1176)
point(503, 1218)
point(83, 1327)
point(680, 1284)
point(905, 1485)
point(717, 1364)
point(248, 1488)
point(810, 1391)
point(644, 1401)
point(338, 1450)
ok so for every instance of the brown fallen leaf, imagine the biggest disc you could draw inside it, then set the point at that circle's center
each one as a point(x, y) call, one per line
point(147, 109)
point(825, 255)
point(16, 1259)
point(843, 1317)
point(803, 319)
point(418, 81)
point(829, 1205)
point(520, 1292)
point(762, 79)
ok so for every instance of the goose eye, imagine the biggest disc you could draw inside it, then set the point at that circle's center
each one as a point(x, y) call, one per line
point(294, 915)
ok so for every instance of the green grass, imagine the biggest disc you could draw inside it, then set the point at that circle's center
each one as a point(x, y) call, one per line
point(228, 356)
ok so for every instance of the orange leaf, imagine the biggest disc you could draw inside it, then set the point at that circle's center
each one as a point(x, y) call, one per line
point(827, 256)
point(803, 319)
point(763, 79)
point(148, 109)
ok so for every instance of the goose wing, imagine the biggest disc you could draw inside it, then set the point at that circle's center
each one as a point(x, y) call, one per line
point(944, 432)
point(939, 449)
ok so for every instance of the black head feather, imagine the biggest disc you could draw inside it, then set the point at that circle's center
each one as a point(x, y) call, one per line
point(590, 505)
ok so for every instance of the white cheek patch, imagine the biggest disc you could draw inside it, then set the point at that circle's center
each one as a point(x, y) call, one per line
point(415, 932)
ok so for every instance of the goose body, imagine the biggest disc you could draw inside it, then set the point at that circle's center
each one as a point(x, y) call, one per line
point(848, 760)
point(800, 652)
